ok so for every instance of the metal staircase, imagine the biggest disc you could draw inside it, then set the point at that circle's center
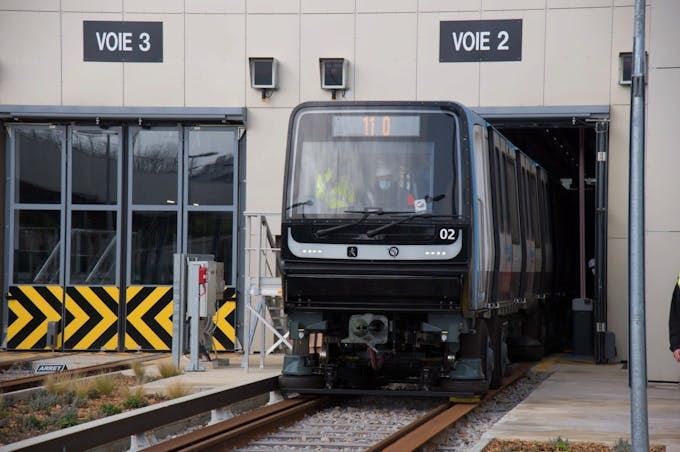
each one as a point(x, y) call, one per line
point(263, 295)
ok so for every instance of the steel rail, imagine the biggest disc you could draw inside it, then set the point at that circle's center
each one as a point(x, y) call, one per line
point(416, 434)
point(112, 428)
point(243, 429)
point(37, 380)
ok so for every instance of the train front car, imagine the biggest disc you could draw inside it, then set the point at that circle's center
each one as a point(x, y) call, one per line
point(376, 249)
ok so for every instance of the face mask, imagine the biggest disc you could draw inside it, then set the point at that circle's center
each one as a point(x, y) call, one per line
point(384, 184)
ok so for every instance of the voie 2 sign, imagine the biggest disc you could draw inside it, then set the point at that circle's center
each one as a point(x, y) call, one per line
point(129, 42)
point(480, 40)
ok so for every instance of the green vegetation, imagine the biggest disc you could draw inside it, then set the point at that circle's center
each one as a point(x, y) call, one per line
point(177, 389)
point(139, 371)
point(167, 369)
point(109, 409)
point(134, 399)
point(104, 385)
point(67, 418)
point(560, 444)
point(622, 446)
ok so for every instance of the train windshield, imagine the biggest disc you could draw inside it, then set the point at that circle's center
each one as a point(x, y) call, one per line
point(348, 161)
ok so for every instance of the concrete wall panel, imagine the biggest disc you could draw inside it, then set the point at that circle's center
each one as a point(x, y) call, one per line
point(577, 68)
point(665, 33)
point(386, 61)
point(269, 6)
point(215, 6)
point(153, 6)
point(662, 181)
point(324, 36)
point(215, 60)
point(386, 6)
point(277, 36)
point(336, 6)
point(267, 130)
point(158, 84)
point(662, 256)
point(88, 82)
point(29, 5)
point(516, 82)
point(579, 3)
point(96, 6)
point(449, 6)
point(437, 81)
point(30, 62)
point(491, 5)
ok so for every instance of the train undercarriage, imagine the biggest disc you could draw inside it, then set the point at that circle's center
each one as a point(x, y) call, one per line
point(431, 353)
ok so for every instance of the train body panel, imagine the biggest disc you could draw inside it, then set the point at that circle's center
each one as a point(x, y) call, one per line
point(411, 242)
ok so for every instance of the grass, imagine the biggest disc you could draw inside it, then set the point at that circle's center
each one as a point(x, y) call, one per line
point(134, 399)
point(104, 385)
point(177, 389)
point(622, 446)
point(139, 370)
point(167, 369)
point(560, 444)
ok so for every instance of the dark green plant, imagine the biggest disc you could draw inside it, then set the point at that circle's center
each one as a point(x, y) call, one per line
point(109, 409)
point(622, 446)
point(560, 444)
point(134, 401)
point(31, 422)
point(67, 418)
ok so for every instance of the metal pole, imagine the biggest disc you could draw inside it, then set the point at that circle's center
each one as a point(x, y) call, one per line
point(582, 211)
point(601, 130)
point(636, 247)
point(246, 299)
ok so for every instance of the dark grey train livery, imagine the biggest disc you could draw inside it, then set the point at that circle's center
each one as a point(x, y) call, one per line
point(416, 248)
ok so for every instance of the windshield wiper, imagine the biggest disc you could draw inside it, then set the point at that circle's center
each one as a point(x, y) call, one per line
point(367, 212)
point(309, 202)
point(432, 199)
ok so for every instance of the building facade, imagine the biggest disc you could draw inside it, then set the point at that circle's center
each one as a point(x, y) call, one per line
point(124, 145)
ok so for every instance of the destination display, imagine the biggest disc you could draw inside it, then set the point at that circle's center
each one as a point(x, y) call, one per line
point(375, 126)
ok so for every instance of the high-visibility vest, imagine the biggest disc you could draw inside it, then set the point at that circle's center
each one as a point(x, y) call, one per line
point(337, 196)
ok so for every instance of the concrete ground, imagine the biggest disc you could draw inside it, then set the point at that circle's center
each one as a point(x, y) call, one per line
point(588, 402)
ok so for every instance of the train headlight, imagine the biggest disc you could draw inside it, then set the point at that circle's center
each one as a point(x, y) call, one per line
point(444, 337)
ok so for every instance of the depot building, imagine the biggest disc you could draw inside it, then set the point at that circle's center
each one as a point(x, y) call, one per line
point(134, 130)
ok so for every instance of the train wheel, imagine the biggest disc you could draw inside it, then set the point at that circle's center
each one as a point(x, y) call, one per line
point(292, 382)
point(500, 352)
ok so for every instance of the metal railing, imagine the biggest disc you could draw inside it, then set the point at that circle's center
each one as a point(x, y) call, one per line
point(261, 281)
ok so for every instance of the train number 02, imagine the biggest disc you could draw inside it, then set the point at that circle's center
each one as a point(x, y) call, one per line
point(447, 234)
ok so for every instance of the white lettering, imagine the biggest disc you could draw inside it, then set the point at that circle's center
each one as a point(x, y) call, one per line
point(127, 42)
point(111, 41)
point(145, 46)
point(100, 40)
point(504, 36)
point(484, 41)
point(457, 40)
point(468, 44)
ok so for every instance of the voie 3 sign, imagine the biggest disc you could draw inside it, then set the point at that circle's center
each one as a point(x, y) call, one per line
point(129, 42)
point(480, 40)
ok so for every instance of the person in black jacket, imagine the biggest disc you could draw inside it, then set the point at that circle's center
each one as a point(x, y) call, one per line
point(674, 322)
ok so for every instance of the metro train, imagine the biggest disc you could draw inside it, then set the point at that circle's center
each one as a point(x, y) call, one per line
point(416, 250)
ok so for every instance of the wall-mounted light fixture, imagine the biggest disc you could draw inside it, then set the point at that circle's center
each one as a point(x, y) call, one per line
point(264, 75)
point(334, 74)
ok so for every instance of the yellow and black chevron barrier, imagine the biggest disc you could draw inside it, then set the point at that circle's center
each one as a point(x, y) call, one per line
point(149, 318)
point(30, 308)
point(91, 318)
point(224, 337)
point(87, 318)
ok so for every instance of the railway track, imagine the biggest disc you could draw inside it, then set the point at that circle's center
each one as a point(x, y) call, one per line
point(33, 381)
point(261, 429)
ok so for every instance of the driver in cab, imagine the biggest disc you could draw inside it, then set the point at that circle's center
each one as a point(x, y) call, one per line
point(386, 192)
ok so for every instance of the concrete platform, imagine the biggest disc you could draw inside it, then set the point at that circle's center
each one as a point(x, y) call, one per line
point(588, 402)
point(217, 374)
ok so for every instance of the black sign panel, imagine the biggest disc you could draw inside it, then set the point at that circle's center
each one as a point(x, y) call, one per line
point(129, 42)
point(480, 40)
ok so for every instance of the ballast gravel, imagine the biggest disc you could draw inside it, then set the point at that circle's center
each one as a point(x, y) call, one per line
point(356, 424)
